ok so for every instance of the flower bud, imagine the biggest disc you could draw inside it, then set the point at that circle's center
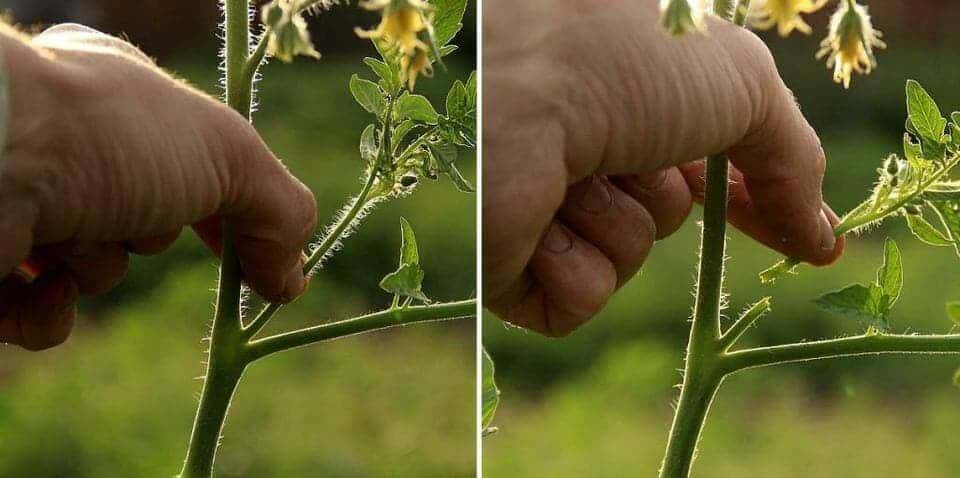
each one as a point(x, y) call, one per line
point(680, 17)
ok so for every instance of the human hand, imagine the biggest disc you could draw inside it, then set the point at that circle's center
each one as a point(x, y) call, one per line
point(106, 154)
point(595, 126)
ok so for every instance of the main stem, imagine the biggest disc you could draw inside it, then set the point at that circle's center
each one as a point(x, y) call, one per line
point(227, 358)
point(701, 377)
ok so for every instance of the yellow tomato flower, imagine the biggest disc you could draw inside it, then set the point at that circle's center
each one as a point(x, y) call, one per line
point(414, 65)
point(785, 14)
point(402, 25)
point(849, 46)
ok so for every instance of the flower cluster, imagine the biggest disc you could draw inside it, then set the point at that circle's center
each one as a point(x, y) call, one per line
point(405, 27)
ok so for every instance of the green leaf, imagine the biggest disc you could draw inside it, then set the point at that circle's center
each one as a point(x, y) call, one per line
point(368, 94)
point(950, 215)
point(417, 108)
point(408, 248)
point(456, 103)
point(472, 90)
point(926, 232)
point(857, 301)
point(386, 73)
point(401, 131)
point(953, 311)
point(778, 270)
point(447, 18)
point(943, 191)
point(444, 155)
point(924, 113)
point(490, 398)
point(368, 144)
point(406, 282)
point(890, 275)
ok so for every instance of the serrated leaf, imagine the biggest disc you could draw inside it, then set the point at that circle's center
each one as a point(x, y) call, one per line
point(368, 94)
point(472, 90)
point(406, 282)
point(417, 108)
point(490, 395)
point(950, 216)
point(953, 312)
point(444, 155)
point(926, 232)
point(401, 131)
point(864, 303)
point(447, 18)
point(385, 72)
point(890, 275)
point(943, 191)
point(456, 102)
point(924, 113)
point(368, 144)
point(409, 254)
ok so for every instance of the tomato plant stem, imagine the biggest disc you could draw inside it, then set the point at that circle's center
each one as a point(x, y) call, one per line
point(700, 381)
point(393, 317)
point(225, 361)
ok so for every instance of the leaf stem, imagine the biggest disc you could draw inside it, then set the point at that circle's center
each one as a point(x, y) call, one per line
point(392, 317)
point(334, 236)
point(740, 327)
point(865, 344)
point(845, 227)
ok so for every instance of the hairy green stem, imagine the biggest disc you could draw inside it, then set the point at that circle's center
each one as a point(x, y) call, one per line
point(225, 362)
point(700, 380)
point(867, 344)
point(393, 317)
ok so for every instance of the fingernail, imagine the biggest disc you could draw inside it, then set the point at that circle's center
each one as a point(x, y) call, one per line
point(596, 198)
point(827, 239)
point(557, 240)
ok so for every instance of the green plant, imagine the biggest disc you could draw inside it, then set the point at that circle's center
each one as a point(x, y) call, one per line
point(407, 140)
point(915, 187)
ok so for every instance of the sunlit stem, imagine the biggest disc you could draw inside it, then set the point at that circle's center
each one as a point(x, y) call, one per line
point(226, 360)
point(393, 317)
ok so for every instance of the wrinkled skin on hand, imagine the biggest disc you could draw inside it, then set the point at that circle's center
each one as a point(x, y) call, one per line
point(106, 154)
point(596, 124)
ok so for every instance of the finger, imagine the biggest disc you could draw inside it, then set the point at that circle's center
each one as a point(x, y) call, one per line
point(664, 194)
point(743, 214)
point(571, 280)
point(148, 246)
point(272, 216)
point(16, 238)
point(96, 267)
point(38, 315)
point(612, 221)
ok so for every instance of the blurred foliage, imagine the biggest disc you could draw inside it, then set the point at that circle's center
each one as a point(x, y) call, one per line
point(598, 402)
point(118, 399)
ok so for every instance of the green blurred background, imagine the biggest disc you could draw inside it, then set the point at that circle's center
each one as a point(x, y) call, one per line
point(118, 398)
point(599, 403)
